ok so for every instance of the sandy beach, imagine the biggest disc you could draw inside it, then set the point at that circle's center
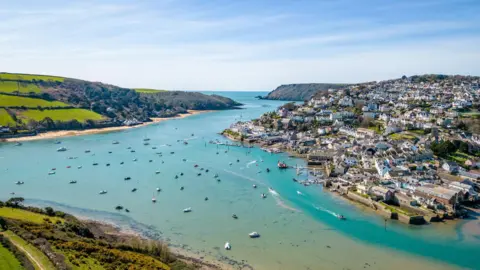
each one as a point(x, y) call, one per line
point(69, 133)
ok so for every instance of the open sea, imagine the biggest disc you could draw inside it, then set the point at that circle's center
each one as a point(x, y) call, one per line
point(299, 230)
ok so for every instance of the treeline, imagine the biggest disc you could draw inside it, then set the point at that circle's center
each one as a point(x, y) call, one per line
point(446, 148)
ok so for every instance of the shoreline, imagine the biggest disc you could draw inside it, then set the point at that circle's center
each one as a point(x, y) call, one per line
point(71, 133)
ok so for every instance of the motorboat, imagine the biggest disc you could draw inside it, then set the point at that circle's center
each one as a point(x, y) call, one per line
point(73, 182)
point(121, 163)
point(254, 235)
point(53, 169)
point(95, 164)
point(61, 149)
point(18, 144)
point(206, 198)
point(264, 195)
point(154, 200)
point(176, 176)
point(79, 167)
point(254, 186)
point(127, 178)
point(234, 216)
point(207, 170)
point(154, 147)
point(102, 192)
point(19, 183)
point(126, 210)
point(129, 147)
point(58, 142)
point(132, 151)
point(184, 159)
point(146, 143)
point(295, 180)
point(341, 217)
point(227, 246)
point(182, 188)
point(135, 159)
point(146, 139)
point(51, 173)
point(218, 180)
point(230, 163)
point(172, 153)
point(268, 170)
point(108, 164)
point(187, 210)
point(68, 167)
point(193, 134)
point(115, 142)
point(159, 189)
point(215, 176)
point(119, 207)
point(134, 189)
point(110, 152)
point(238, 160)
point(150, 160)
point(198, 174)
point(185, 142)
point(201, 169)
point(181, 174)
point(157, 172)
point(87, 151)
point(282, 165)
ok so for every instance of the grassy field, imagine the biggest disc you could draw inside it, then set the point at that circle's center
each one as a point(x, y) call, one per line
point(15, 101)
point(29, 77)
point(402, 136)
point(30, 249)
point(148, 90)
point(81, 115)
point(24, 215)
point(11, 86)
point(6, 119)
point(8, 260)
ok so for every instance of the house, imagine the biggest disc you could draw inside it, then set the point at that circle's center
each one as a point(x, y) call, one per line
point(382, 193)
point(442, 195)
point(404, 200)
point(362, 189)
point(450, 166)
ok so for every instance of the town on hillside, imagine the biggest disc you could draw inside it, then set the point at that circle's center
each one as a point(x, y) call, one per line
point(409, 147)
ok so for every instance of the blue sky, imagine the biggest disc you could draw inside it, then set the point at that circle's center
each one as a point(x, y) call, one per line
point(239, 45)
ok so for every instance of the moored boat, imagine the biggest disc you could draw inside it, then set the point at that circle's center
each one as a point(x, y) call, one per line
point(187, 210)
point(61, 149)
point(228, 246)
point(254, 235)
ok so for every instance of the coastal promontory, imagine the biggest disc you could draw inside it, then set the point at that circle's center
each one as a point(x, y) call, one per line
point(301, 91)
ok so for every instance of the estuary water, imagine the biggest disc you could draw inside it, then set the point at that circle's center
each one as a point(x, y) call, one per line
point(297, 224)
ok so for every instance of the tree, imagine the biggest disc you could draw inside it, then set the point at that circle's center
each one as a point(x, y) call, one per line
point(49, 211)
point(15, 201)
point(3, 224)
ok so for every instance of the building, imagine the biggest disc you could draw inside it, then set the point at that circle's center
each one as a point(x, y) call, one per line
point(450, 166)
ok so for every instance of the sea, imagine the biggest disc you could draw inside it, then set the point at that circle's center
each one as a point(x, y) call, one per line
point(298, 225)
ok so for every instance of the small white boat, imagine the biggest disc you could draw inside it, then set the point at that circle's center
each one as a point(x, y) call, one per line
point(115, 142)
point(254, 235)
point(187, 210)
point(159, 189)
point(135, 159)
point(102, 192)
point(154, 199)
point(51, 173)
point(263, 196)
point(341, 217)
point(254, 186)
point(19, 183)
point(79, 167)
point(299, 193)
point(61, 149)
point(18, 144)
point(227, 246)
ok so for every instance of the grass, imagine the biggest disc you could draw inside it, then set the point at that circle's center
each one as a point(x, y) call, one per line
point(460, 157)
point(8, 260)
point(418, 131)
point(148, 90)
point(6, 119)
point(24, 215)
point(86, 262)
point(15, 101)
point(29, 77)
point(63, 115)
point(37, 254)
point(12, 86)
point(402, 136)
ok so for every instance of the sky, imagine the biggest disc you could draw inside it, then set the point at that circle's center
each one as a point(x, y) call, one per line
point(239, 45)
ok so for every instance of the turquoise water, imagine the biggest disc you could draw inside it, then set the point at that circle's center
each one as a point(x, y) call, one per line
point(297, 231)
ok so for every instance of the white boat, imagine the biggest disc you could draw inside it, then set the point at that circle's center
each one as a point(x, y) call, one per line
point(51, 173)
point(187, 210)
point(341, 217)
point(135, 159)
point(254, 186)
point(18, 144)
point(227, 246)
point(154, 199)
point(115, 142)
point(263, 196)
point(254, 235)
point(159, 189)
point(19, 183)
point(102, 192)
point(61, 149)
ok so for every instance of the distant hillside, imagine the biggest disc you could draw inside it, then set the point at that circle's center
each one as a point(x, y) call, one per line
point(37, 102)
point(300, 92)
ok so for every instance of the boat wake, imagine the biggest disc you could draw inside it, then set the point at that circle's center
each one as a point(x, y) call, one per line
point(300, 193)
point(273, 192)
point(319, 208)
point(245, 177)
point(251, 163)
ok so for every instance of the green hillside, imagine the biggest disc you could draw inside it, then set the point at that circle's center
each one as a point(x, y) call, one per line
point(40, 103)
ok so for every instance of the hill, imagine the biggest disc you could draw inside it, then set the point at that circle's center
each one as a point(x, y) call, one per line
point(38, 103)
point(300, 92)
point(47, 239)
